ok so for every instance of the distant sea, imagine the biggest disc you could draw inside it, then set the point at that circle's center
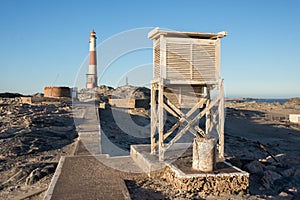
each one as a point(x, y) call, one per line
point(259, 100)
point(271, 100)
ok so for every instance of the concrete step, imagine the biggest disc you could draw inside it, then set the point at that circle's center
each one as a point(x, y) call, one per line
point(147, 162)
point(150, 163)
point(88, 147)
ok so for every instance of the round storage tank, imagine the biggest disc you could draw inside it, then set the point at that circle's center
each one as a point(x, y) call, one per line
point(57, 92)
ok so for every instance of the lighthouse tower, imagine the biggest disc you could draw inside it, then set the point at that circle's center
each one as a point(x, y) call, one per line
point(92, 71)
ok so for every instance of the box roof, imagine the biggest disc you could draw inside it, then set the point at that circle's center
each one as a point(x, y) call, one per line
point(157, 32)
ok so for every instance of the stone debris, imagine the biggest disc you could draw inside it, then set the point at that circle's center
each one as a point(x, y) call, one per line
point(103, 93)
point(283, 194)
point(39, 173)
point(31, 136)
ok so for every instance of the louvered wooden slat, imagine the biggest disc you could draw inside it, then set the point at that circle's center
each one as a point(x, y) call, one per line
point(156, 60)
point(191, 60)
point(204, 62)
point(178, 61)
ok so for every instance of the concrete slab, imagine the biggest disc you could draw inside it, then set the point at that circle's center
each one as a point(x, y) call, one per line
point(122, 163)
point(150, 163)
point(89, 135)
point(145, 160)
point(85, 177)
point(223, 169)
point(88, 146)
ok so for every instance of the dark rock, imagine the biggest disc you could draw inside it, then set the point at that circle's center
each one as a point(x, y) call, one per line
point(297, 172)
point(269, 177)
point(254, 167)
point(288, 172)
point(286, 184)
point(235, 162)
point(10, 95)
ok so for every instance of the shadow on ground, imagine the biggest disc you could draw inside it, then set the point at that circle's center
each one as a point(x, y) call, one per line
point(124, 129)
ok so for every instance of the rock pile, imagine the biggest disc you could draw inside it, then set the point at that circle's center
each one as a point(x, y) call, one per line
point(102, 93)
point(267, 176)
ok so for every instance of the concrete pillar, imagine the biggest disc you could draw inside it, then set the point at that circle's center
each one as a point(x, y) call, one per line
point(204, 158)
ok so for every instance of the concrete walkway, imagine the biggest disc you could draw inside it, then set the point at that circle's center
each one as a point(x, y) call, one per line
point(89, 129)
point(89, 174)
point(85, 177)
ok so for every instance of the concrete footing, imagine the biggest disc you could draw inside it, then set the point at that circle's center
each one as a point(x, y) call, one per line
point(224, 179)
point(229, 180)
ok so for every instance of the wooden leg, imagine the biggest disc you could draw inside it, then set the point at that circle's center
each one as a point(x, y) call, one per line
point(222, 121)
point(161, 121)
point(207, 123)
point(153, 118)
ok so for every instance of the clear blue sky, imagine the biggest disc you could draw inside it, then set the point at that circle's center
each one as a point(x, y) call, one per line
point(45, 42)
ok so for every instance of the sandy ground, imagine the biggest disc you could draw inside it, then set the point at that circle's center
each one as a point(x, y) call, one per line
point(254, 132)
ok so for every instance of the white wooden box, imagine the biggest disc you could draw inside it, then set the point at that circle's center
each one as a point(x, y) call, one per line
point(186, 57)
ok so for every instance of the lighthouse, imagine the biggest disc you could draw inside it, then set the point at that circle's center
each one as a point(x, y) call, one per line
point(92, 71)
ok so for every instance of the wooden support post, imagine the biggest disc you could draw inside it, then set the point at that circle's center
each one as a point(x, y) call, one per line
point(161, 121)
point(207, 122)
point(222, 121)
point(153, 117)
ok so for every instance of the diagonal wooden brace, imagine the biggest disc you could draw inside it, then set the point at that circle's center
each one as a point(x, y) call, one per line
point(191, 123)
point(183, 116)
